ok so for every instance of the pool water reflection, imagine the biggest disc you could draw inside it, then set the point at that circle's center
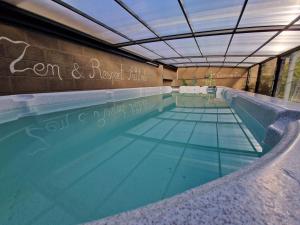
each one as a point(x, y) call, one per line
point(74, 166)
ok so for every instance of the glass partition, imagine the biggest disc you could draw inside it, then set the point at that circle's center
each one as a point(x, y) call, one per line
point(267, 77)
point(253, 71)
point(289, 80)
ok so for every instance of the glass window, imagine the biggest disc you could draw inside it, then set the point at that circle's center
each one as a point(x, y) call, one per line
point(253, 71)
point(270, 12)
point(114, 16)
point(213, 45)
point(267, 77)
point(212, 15)
point(246, 43)
point(139, 50)
point(283, 42)
point(289, 80)
point(185, 47)
point(164, 17)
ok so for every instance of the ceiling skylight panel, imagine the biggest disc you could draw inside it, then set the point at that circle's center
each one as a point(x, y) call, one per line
point(198, 59)
point(283, 42)
point(161, 49)
point(255, 59)
point(246, 65)
point(185, 47)
point(114, 16)
point(218, 64)
point(234, 59)
point(213, 15)
point(192, 65)
point(55, 12)
point(164, 17)
point(246, 43)
point(168, 61)
point(137, 49)
point(182, 60)
point(270, 12)
point(213, 45)
point(215, 59)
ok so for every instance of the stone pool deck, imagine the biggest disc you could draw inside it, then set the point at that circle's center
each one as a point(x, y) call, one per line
point(265, 192)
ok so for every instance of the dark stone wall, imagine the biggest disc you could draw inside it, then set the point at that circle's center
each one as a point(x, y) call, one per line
point(35, 62)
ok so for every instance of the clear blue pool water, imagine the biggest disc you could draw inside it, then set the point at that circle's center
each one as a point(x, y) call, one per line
point(79, 165)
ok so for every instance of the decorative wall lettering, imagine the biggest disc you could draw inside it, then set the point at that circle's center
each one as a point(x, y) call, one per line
point(75, 72)
point(40, 69)
point(97, 71)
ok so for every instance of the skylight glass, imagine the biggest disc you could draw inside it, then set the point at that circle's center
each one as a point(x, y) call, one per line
point(161, 49)
point(283, 42)
point(246, 43)
point(213, 45)
point(221, 64)
point(163, 16)
point(198, 59)
point(215, 59)
point(185, 47)
point(213, 15)
point(55, 12)
point(114, 16)
point(255, 59)
point(182, 60)
point(137, 49)
point(244, 65)
point(168, 61)
point(234, 59)
point(270, 12)
point(192, 64)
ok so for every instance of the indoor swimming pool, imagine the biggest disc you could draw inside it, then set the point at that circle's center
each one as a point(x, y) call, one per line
point(79, 165)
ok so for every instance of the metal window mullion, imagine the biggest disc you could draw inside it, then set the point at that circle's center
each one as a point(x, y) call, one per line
point(134, 15)
point(258, 78)
point(189, 24)
point(276, 75)
point(235, 28)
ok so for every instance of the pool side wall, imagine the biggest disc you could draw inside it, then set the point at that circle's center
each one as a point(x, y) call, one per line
point(13, 107)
